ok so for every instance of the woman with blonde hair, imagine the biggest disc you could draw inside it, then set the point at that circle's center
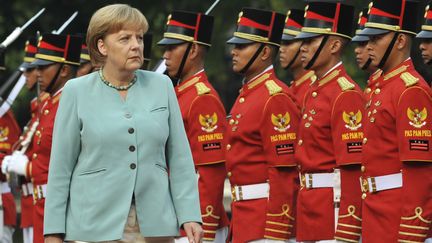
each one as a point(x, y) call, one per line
point(121, 169)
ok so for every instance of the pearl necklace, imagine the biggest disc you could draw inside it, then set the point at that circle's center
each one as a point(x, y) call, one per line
point(119, 88)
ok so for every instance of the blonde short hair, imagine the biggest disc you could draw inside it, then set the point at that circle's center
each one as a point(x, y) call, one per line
point(111, 19)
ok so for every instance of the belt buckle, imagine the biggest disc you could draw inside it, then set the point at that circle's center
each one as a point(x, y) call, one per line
point(35, 195)
point(233, 194)
point(302, 181)
point(365, 185)
point(308, 181)
point(373, 184)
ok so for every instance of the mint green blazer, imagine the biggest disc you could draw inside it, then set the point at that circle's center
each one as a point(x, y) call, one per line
point(106, 149)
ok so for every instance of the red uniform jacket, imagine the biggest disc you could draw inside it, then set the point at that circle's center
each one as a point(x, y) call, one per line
point(27, 201)
point(39, 162)
point(300, 86)
point(204, 120)
point(261, 142)
point(330, 136)
point(397, 139)
point(9, 134)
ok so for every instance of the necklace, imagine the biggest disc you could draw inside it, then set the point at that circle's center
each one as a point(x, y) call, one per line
point(121, 87)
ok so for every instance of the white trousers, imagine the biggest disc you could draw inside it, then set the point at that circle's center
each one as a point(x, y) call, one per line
point(28, 235)
point(7, 234)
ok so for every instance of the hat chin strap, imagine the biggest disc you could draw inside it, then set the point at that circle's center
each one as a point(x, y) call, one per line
point(53, 80)
point(293, 60)
point(183, 61)
point(388, 51)
point(252, 60)
point(321, 46)
point(367, 64)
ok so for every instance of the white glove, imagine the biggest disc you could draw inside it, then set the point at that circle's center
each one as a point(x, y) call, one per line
point(18, 164)
point(5, 164)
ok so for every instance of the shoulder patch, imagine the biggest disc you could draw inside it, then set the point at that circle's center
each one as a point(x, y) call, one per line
point(345, 84)
point(272, 87)
point(408, 79)
point(202, 88)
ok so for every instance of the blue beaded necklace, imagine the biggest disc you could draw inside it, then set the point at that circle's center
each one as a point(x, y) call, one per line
point(119, 88)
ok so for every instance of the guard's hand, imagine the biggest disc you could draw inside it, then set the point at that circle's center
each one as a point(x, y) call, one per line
point(5, 164)
point(19, 164)
point(194, 232)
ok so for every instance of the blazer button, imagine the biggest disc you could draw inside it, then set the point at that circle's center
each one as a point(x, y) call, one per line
point(128, 115)
point(132, 148)
point(131, 130)
point(132, 166)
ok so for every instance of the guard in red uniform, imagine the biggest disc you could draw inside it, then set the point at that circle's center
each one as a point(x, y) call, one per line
point(186, 41)
point(261, 135)
point(9, 134)
point(24, 142)
point(330, 132)
point(361, 53)
point(425, 36)
point(289, 55)
point(57, 61)
point(397, 158)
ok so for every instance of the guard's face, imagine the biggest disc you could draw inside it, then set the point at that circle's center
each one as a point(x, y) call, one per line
point(361, 54)
point(377, 46)
point(287, 52)
point(123, 50)
point(426, 50)
point(45, 75)
point(308, 49)
point(173, 56)
point(241, 54)
point(31, 77)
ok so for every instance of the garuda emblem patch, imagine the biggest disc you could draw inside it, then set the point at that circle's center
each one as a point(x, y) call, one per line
point(417, 118)
point(352, 120)
point(281, 122)
point(208, 123)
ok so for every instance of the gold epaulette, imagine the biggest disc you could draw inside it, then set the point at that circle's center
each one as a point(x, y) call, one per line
point(272, 87)
point(345, 84)
point(409, 79)
point(202, 88)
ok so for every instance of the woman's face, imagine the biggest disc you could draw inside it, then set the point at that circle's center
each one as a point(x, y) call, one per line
point(123, 50)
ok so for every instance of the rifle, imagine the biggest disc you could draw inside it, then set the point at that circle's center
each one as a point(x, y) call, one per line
point(161, 67)
point(4, 106)
point(13, 36)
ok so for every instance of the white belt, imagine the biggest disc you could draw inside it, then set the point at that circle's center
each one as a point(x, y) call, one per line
point(27, 189)
point(323, 180)
point(381, 183)
point(249, 192)
point(5, 188)
point(39, 192)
